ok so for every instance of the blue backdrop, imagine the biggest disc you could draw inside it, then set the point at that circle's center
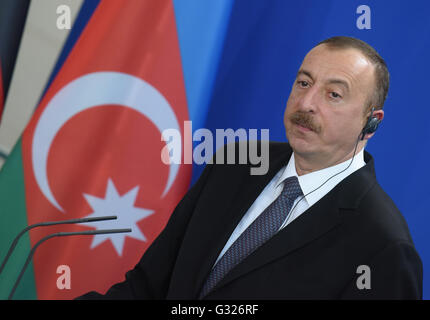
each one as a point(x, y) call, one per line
point(256, 49)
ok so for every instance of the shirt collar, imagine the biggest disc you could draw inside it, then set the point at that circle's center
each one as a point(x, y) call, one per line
point(318, 179)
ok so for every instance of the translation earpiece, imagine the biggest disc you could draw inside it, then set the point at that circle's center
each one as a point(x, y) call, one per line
point(371, 125)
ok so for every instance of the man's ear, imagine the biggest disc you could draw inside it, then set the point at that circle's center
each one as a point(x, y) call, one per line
point(379, 114)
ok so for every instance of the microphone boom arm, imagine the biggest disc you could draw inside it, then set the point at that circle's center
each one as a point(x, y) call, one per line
point(46, 224)
point(59, 234)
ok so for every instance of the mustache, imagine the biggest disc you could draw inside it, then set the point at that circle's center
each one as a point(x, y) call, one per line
point(304, 119)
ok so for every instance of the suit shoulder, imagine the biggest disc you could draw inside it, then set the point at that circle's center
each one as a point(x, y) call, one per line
point(383, 216)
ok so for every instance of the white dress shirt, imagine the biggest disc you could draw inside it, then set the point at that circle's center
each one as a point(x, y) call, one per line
point(308, 183)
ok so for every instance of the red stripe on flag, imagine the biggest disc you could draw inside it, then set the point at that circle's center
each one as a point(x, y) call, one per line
point(108, 156)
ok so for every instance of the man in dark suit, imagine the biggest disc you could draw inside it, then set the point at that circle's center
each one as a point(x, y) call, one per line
point(241, 236)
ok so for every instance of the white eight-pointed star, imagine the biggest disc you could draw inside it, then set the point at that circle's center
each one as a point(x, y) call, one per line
point(122, 207)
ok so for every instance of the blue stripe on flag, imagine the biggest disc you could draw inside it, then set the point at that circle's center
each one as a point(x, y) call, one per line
point(202, 27)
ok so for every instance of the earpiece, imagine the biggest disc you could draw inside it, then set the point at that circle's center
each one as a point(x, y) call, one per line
point(371, 125)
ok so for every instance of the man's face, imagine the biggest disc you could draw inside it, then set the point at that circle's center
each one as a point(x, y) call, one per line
point(325, 109)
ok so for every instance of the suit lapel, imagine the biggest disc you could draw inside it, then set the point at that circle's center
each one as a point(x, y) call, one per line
point(322, 217)
point(315, 222)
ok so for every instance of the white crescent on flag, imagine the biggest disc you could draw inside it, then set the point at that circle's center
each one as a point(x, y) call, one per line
point(95, 90)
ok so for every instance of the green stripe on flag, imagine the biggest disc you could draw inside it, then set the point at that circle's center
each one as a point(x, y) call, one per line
point(13, 218)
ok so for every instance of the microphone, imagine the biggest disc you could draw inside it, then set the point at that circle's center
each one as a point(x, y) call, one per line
point(49, 223)
point(59, 234)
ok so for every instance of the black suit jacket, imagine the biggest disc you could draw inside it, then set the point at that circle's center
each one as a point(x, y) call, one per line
point(316, 256)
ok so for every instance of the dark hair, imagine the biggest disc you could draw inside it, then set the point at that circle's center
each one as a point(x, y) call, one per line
point(382, 76)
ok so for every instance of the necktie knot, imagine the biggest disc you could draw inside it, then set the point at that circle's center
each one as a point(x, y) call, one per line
point(292, 188)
